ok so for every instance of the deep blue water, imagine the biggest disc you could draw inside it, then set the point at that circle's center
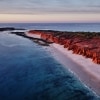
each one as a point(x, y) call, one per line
point(94, 27)
point(28, 72)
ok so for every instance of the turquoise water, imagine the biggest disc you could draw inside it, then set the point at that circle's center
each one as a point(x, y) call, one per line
point(28, 72)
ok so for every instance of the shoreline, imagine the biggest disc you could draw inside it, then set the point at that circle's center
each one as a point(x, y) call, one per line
point(86, 75)
point(86, 70)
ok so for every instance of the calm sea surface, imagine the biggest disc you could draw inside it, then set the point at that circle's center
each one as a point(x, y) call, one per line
point(29, 72)
point(57, 26)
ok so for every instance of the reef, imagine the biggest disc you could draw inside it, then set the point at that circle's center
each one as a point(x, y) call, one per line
point(36, 40)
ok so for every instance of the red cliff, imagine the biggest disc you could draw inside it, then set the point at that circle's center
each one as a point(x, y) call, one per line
point(82, 43)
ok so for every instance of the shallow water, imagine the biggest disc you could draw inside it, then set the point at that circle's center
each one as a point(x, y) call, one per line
point(28, 72)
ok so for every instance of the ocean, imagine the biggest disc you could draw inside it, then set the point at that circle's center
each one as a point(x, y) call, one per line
point(86, 27)
point(29, 72)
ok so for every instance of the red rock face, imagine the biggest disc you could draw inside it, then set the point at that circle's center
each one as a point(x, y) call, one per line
point(86, 44)
point(35, 32)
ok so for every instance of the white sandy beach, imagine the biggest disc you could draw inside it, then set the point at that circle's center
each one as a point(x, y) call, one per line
point(84, 68)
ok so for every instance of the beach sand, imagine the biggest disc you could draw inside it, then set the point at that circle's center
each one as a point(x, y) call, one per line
point(87, 71)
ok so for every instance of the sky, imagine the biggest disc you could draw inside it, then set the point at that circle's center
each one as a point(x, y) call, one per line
point(49, 11)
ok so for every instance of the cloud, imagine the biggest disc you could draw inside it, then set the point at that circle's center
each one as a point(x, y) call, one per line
point(49, 6)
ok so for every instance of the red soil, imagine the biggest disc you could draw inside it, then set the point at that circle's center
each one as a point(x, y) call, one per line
point(82, 43)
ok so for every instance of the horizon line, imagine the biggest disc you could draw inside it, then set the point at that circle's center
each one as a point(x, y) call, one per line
point(48, 22)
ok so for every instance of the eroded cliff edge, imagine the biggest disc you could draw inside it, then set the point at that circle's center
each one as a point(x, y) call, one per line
point(82, 43)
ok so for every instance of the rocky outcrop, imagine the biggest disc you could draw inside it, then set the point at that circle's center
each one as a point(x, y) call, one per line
point(40, 41)
point(10, 29)
point(7, 29)
point(82, 43)
point(35, 32)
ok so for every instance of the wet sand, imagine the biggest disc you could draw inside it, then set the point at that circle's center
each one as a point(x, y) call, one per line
point(87, 71)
